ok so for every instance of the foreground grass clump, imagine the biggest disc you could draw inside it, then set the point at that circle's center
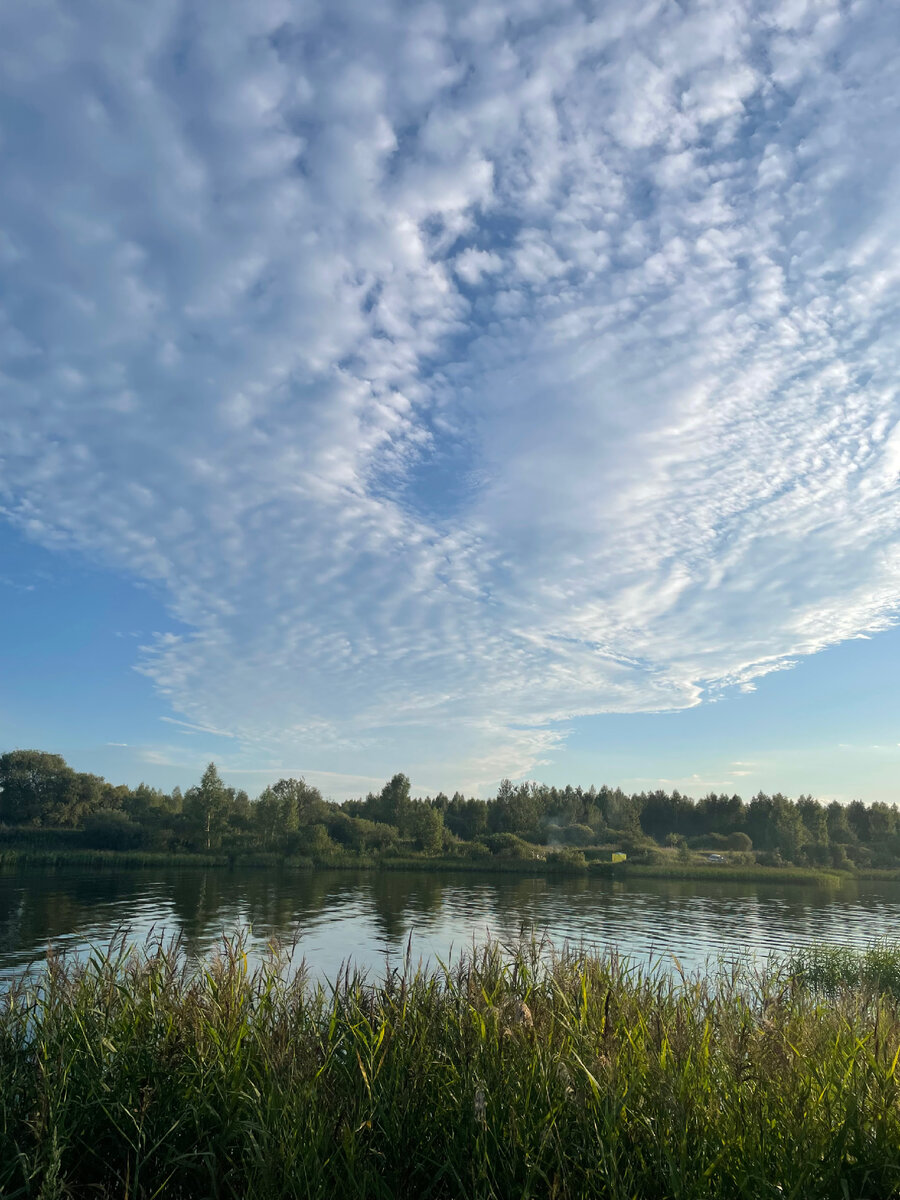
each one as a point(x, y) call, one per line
point(508, 1073)
point(829, 970)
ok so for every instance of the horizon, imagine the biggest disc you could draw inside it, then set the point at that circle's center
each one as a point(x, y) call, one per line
point(478, 392)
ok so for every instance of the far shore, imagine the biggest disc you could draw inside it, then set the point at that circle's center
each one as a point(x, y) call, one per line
point(675, 870)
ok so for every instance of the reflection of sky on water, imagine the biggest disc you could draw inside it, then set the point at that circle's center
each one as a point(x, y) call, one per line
point(368, 918)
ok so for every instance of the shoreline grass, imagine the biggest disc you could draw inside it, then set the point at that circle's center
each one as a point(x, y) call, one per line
point(520, 1072)
point(740, 873)
point(137, 859)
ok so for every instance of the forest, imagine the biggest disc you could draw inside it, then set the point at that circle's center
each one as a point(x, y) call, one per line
point(44, 802)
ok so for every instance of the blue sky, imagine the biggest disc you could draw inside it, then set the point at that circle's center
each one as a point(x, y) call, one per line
point(466, 389)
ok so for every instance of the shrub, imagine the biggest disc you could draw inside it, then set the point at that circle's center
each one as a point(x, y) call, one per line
point(568, 857)
point(769, 858)
point(839, 858)
point(738, 841)
point(109, 829)
point(473, 850)
point(578, 835)
point(507, 845)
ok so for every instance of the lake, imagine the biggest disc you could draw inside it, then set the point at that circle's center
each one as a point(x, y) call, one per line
point(369, 916)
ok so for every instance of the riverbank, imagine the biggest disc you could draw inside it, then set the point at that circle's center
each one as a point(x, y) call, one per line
point(492, 864)
point(524, 1076)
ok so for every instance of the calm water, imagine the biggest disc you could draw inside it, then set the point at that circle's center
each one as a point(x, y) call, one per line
point(338, 915)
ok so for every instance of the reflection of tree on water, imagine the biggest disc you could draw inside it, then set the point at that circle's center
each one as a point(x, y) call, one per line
point(39, 907)
point(275, 904)
point(205, 904)
point(401, 900)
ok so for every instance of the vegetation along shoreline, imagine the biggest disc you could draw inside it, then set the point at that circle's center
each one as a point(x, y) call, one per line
point(51, 816)
point(520, 1072)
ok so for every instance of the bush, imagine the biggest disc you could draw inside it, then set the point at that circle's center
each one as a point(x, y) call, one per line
point(318, 845)
point(472, 850)
point(578, 835)
point(738, 841)
point(769, 858)
point(507, 845)
point(839, 858)
point(109, 829)
point(568, 857)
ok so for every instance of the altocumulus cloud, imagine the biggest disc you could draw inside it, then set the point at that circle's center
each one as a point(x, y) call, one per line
point(457, 369)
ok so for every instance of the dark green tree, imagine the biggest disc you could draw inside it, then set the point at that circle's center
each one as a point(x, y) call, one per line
point(35, 787)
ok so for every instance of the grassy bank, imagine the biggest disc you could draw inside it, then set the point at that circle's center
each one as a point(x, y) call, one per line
point(492, 864)
point(106, 858)
point(738, 873)
point(516, 1075)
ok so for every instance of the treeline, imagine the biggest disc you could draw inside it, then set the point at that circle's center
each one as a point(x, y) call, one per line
point(40, 792)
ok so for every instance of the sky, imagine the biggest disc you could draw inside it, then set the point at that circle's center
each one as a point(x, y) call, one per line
point(474, 390)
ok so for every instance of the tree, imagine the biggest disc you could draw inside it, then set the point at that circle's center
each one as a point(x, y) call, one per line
point(839, 831)
point(35, 787)
point(84, 795)
point(466, 818)
point(299, 802)
point(427, 827)
point(815, 820)
point(395, 804)
point(515, 809)
point(662, 814)
point(207, 804)
point(266, 817)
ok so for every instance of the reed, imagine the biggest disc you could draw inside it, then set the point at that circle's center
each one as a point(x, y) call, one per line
point(735, 873)
point(828, 970)
point(518, 1071)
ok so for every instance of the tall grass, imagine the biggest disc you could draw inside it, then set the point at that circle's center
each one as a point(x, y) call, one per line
point(734, 873)
point(829, 970)
point(517, 1073)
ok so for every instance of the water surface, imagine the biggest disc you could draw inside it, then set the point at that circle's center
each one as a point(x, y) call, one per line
point(368, 917)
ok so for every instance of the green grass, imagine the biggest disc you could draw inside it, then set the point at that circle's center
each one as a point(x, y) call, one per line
point(150, 858)
point(827, 970)
point(107, 858)
point(493, 865)
point(738, 873)
point(506, 1074)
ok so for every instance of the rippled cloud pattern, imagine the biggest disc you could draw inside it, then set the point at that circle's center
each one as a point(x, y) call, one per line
point(457, 369)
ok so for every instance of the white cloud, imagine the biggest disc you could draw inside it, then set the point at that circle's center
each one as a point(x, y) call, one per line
point(472, 264)
point(645, 452)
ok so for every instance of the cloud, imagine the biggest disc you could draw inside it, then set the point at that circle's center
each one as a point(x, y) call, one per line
point(461, 372)
point(188, 727)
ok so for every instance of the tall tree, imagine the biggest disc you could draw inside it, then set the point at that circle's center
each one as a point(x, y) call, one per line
point(395, 803)
point(207, 804)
